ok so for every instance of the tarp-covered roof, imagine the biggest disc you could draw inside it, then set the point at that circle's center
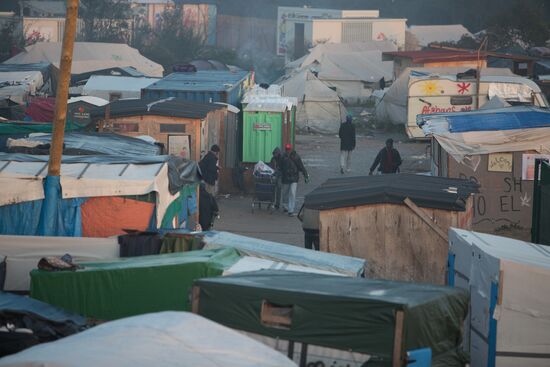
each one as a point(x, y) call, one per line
point(167, 339)
point(346, 265)
point(424, 191)
point(426, 34)
point(351, 314)
point(203, 80)
point(508, 118)
point(116, 83)
point(89, 56)
point(171, 107)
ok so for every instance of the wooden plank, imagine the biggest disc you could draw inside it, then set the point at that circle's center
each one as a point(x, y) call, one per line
point(397, 358)
point(426, 218)
point(195, 296)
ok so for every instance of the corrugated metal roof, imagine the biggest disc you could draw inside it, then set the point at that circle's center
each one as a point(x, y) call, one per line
point(424, 191)
point(172, 107)
point(206, 80)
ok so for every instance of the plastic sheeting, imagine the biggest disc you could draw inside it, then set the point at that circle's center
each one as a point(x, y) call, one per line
point(103, 86)
point(98, 143)
point(89, 56)
point(40, 109)
point(162, 339)
point(109, 216)
point(130, 286)
point(349, 266)
point(22, 254)
point(349, 314)
point(509, 323)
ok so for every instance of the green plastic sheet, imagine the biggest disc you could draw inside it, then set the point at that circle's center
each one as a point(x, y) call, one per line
point(340, 312)
point(131, 286)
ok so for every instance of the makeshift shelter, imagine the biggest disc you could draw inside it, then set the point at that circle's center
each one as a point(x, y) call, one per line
point(33, 322)
point(20, 254)
point(420, 91)
point(509, 281)
point(169, 339)
point(497, 149)
point(79, 109)
point(18, 82)
point(89, 56)
point(130, 286)
point(352, 70)
point(319, 107)
point(358, 320)
point(116, 87)
point(247, 246)
point(97, 196)
point(398, 223)
point(268, 123)
point(40, 109)
point(203, 86)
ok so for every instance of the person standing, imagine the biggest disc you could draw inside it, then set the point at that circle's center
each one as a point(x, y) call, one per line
point(347, 143)
point(276, 164)
point(388, 159)
point(208, 208)
point(209, 169)
point(291, 167)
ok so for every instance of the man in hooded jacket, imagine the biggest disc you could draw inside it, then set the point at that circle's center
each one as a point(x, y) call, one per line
point(347, 143)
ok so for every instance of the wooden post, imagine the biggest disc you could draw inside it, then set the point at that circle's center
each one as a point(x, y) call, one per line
point(426, 218)
point(398, 340)
point(195, 296)
point(60, 114)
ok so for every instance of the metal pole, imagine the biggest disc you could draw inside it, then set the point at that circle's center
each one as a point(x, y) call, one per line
point(60, 114)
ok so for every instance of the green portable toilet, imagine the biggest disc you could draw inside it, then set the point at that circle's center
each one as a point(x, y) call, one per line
point(268, 123)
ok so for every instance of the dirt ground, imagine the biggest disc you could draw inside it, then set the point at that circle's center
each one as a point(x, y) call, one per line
point(320, 154)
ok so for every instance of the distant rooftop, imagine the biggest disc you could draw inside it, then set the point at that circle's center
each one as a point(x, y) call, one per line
point(207, 80)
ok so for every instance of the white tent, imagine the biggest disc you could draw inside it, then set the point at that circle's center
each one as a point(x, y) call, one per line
point(89, 56)
point(426, 34)
point(17, 85)
point(159, 339)
point(104, 86)
point(352, 69)
point(319, 107)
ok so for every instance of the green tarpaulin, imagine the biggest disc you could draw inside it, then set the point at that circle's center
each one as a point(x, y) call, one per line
point(132, 286)
point(339, 312)
point(15, 128)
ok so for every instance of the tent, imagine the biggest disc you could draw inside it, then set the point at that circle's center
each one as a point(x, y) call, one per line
point(167, 339)
point(420, 91)
point(96, 196)
point(18, 85)
point(319, 107)
point(89, 56)
point(122, 87)
point(377, 318)
point(353, 70)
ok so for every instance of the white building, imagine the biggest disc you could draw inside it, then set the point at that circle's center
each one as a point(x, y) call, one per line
point(301, 28)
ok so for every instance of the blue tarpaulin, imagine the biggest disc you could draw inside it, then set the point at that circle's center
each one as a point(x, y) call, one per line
point(509, 118)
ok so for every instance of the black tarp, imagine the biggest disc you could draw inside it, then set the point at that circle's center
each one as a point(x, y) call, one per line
point(424, 191)
point(139, 244)
point(47, 323)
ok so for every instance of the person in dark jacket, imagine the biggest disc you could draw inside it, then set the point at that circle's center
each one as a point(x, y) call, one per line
point(347, 143)
point(291, 167)
point(388, 159)
point(209, 168)
point(276, 164)
point(208, 208)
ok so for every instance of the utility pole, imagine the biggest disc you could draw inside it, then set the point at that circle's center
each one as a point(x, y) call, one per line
point(60, 114)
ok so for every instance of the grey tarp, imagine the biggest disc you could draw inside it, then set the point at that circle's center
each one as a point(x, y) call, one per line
point(346, 265)
point(343, 313)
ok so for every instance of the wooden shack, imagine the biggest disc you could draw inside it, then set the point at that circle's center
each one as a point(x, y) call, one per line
point(398, 223)
point(186, 129)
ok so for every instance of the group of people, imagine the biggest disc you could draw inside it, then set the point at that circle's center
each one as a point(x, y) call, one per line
point(387, 160)
point(287, 167)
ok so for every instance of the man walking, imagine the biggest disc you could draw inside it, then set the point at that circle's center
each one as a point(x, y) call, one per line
point(388, 159)
point(209, 169)
point(208, 208)
point(347, 143)
point(276, 164)
point(291, 167)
